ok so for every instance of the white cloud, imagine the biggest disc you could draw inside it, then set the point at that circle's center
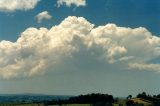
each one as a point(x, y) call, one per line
point(13, 5)
point(145, 66)
point(77, 43)
point(43, 16)
point(71, 2)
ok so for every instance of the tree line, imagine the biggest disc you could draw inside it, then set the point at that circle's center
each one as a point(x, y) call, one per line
point(155, 99)
point(86, 99)
point(105, 100)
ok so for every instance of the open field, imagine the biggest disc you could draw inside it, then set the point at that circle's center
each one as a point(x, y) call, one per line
point(11, 104)
point(77, 105)
point(142, 101)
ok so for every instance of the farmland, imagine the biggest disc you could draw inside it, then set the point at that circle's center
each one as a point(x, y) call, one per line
point(93, 99)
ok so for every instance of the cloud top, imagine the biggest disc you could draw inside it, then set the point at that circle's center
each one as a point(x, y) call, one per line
point(68, 3)
point(13, 5)
point(78, 42)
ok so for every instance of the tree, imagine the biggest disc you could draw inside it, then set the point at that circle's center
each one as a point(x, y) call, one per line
point(129, 97)
point(142, 95)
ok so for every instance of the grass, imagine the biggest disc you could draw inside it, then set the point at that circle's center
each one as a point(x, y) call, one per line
point(142, 101)
point(136, 100)
point(77, 105)
point(19, 104)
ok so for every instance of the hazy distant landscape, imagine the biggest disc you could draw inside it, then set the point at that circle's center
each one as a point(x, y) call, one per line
point(93, 99)
point(29, 98)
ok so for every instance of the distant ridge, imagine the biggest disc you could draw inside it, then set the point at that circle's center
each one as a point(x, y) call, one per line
point(29, 97)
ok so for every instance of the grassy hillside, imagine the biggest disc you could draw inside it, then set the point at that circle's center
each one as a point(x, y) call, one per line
point(77, 105)
point(142, 101)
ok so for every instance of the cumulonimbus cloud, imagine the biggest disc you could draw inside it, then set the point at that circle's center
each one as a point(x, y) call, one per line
point(71, 2)
point(43, 16)
point(75, 39)
point(13, 5)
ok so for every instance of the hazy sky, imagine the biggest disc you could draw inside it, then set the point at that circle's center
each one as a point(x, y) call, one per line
point(71, 47)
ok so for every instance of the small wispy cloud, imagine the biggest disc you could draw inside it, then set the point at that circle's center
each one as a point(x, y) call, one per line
point(68, 3)
point(43, 16)
point(13, 5)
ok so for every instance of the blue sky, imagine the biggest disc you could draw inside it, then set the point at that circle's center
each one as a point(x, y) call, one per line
point(128, 13)
point(129, 65)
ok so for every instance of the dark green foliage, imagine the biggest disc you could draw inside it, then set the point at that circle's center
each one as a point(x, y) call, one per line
point(92, 98)
point(130, 103)
point(104, 99)
point(129, 97)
